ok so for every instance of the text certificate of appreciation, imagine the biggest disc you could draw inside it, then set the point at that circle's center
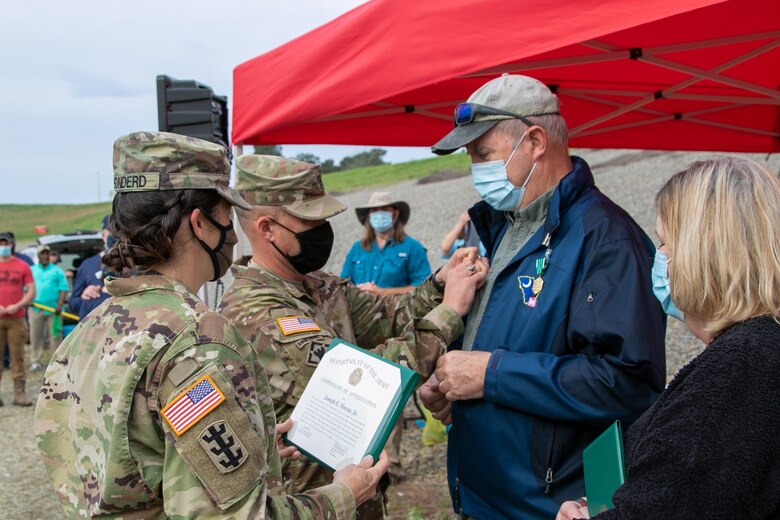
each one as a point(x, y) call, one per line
point(349, 405)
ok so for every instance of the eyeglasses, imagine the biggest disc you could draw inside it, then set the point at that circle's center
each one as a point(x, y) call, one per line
point(465, 113)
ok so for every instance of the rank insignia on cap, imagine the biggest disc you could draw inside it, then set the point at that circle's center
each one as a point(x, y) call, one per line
point(526, 284)
point(192, 405)
point(295, 324)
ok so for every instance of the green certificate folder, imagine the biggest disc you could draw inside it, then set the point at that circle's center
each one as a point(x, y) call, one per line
point(349, 406)
point(604, 464)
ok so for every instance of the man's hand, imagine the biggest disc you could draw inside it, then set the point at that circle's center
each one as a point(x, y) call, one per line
point(58, 310)
point(362, 478)
point(3, 310)
point(463, 282)
point(461, 374)
point(91, 292)
point(435, 401)
point(571, 510)
point(285, 452)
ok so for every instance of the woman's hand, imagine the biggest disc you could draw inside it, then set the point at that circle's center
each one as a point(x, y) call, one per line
point(369, 286)
point(573, 509)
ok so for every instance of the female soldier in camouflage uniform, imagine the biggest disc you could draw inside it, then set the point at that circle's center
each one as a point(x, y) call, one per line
point(155, 406)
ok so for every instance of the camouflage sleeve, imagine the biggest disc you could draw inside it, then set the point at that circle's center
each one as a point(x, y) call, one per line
point(413, 329)
point(219, 454)
point(384, 317)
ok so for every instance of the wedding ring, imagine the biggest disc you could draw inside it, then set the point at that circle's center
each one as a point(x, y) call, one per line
point(471, 268)
point(433, 414)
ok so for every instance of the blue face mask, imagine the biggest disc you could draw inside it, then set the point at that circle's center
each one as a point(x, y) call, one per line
point(5, 250)
point(381, 221)
point(661, 285)
point(492, 183)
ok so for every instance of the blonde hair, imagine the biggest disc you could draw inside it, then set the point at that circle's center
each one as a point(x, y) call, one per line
point(721, 221)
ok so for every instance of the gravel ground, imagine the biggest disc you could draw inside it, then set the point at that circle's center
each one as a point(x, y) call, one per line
point(631, 178)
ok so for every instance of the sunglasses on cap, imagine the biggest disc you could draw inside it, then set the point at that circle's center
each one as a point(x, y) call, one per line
point(465, 113)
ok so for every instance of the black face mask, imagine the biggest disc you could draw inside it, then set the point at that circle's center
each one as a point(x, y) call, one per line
point(227, 239)
point(316, 244)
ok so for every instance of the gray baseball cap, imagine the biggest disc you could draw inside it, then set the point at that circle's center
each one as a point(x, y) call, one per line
point(522, 96)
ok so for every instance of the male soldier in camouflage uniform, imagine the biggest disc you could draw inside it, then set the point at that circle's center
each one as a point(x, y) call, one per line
point(291, 239)
point(156, 407)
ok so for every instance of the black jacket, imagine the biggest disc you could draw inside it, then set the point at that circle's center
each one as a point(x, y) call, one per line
point(710, 446)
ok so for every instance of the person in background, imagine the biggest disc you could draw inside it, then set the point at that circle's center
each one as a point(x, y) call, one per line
point(565, 336)
point(21, 256)
point(155, 406)
point(56, 259)
point(56, 321)
point(51, 287)
point(17, 290)
point(89, 289)
point(386, 260)
point(462, 234)
point(27, 260)
point(709, 447)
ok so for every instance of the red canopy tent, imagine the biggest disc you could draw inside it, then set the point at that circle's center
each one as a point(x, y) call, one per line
point(660, 74)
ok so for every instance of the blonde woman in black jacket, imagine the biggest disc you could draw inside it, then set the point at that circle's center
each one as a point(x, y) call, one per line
point(710, 446)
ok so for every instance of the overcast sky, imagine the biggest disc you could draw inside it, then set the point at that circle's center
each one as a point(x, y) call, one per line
point(76, 75)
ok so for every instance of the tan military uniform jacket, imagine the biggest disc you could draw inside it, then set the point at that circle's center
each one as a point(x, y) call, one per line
point(414, 329)
point(156, 407)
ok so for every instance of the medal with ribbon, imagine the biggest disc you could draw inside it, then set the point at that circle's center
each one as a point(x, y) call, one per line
point(541, 266)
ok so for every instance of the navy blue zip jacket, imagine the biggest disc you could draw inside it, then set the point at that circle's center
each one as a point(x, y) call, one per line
point(90, 272)
point(562, 368)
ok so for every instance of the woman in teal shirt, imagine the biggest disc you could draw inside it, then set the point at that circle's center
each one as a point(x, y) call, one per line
point(386, 260)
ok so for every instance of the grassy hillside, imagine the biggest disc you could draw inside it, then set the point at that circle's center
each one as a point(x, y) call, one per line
point(58, 218)
point(64, 218)
point(387, 174)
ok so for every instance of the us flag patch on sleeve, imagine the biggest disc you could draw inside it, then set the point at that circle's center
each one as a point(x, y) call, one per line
point(293, 324)
point(192, 405)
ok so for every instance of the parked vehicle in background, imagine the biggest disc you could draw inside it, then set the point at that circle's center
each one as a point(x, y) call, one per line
point(73, 247)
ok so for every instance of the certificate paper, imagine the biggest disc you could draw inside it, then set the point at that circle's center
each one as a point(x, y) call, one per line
point(349, 406)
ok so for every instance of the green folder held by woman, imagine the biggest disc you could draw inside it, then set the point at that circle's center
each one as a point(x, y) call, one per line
point(605, 469)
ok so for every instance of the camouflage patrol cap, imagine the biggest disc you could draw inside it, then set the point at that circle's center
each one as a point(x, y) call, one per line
point(296, 186)
point(152, 161)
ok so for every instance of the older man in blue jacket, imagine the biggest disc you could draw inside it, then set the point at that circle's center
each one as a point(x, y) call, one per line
point(565, 336)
